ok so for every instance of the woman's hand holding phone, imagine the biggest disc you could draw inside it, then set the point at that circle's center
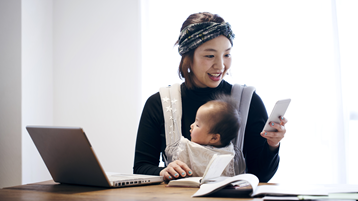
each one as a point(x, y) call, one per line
point(274, 130)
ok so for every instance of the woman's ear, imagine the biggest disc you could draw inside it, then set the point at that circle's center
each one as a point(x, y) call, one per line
point(215, 140)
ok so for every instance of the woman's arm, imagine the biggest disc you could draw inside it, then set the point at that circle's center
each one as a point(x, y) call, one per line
point(150, 138)
point(151, 142)
point(260, 159)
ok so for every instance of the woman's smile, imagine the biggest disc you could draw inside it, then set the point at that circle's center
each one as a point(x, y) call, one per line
point(215, 77)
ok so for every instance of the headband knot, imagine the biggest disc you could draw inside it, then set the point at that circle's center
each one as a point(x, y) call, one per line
point(196, 34)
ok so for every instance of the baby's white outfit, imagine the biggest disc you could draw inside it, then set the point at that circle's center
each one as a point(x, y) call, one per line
point(198, 156)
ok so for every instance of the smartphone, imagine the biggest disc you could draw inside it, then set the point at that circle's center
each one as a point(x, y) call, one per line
point(278, 111)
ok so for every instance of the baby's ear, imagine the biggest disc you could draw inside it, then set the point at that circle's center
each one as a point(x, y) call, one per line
point(215, 139)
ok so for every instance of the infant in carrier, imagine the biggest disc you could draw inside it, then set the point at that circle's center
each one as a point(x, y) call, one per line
point(216, 125)
point(216, 122)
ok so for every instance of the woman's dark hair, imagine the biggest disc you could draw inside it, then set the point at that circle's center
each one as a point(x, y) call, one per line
point(225, 120)
point(187, 58)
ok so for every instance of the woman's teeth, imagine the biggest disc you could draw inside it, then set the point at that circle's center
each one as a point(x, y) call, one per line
point(215, 75)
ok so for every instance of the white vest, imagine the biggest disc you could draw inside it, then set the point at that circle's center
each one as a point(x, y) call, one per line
point(198, 156)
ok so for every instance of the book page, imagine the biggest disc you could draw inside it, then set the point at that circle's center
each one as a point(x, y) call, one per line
point(290, 189)
point(216, 166)
point(209, 188)
point(304, 189)
point(186, 182)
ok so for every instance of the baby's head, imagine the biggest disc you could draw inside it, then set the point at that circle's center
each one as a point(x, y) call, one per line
point(216, 122)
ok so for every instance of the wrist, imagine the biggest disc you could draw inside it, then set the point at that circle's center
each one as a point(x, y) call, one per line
point(273, 147)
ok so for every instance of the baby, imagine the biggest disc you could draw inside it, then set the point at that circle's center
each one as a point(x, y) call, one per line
point(216, 122)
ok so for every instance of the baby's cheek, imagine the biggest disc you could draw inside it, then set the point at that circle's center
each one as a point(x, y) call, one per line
point(192, 137)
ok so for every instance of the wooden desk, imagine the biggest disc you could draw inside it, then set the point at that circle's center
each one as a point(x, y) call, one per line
point(50, 190)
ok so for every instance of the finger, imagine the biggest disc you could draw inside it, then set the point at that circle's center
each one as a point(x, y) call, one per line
point(185, 167)
point(263, 134)
point(180, 171)
point(173, 173)
point(272, 135)
point(277, 126)
point(267, 135)
point(283, 120)
point(273, 141)
point(168, 176)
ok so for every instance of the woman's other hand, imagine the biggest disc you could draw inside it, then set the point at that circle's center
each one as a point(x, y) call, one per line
point(175, 170)
point(274, 138)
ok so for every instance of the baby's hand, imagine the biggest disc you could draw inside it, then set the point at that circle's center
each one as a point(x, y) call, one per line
point(175, 170)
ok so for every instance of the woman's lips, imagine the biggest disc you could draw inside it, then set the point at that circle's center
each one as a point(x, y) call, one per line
point(215, 76)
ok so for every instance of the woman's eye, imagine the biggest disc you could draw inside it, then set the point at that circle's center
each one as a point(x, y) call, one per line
point(227, 55)
point(209, 56)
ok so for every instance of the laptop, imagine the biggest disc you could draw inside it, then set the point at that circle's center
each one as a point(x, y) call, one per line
point(70, 159)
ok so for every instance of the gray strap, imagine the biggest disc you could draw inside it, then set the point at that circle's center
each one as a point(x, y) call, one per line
point(243, 95)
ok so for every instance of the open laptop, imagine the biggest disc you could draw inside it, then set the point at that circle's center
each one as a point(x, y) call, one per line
point(70, 159)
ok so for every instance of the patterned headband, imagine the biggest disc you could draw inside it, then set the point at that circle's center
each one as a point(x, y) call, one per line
point(196, 34)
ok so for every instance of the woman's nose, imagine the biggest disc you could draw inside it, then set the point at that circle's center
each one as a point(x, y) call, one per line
point(219, 64)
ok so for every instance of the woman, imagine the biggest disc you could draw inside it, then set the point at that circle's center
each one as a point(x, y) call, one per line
point(205, 43)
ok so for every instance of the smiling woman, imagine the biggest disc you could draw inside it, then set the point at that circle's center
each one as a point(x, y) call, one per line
point(205, 43)
point(211, 38)
point(211, 62)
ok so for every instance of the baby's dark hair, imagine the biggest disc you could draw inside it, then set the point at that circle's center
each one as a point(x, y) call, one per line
point(225, 120)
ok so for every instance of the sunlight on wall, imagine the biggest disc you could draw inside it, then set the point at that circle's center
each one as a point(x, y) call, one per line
point(347, 17)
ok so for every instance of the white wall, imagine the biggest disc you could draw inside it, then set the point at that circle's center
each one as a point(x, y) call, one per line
point(36, 82)
point(97, 75)
point(10, 92)
point(68, 63)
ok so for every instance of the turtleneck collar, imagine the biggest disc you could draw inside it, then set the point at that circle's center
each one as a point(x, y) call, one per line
point(202, 93)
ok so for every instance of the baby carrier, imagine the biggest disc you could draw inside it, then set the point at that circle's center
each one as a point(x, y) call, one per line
point(198, 156)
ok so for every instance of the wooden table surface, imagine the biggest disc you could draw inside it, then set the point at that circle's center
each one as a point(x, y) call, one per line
point(50, 190)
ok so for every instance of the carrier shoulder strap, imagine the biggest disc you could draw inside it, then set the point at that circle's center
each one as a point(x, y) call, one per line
point(172, 110)
point(243, 95)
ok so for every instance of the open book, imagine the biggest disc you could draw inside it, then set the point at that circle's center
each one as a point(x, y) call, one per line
point(212, 184)
point(212, 172)
point(227, 186)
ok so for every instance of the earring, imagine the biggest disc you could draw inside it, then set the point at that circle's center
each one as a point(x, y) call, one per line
point(188, 70)
point(228, 72)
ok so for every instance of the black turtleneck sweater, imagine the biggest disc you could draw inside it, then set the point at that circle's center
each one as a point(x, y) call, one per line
point(260, 161)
